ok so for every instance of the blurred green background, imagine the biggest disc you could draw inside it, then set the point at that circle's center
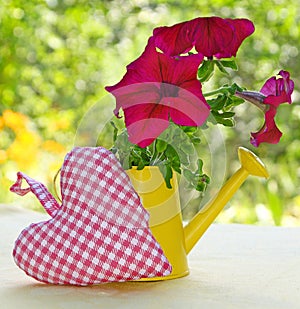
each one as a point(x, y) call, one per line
point(57, 56)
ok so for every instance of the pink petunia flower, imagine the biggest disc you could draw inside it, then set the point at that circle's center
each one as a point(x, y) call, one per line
point(157, 88)
point(211, 36)
point(275, 91)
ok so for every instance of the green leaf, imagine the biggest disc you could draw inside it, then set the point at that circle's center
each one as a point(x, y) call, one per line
point(160, 145)
point(126, 162)
point(187, 129)
point(167, 173)
point(237, 87)
point(169, 176)
point(189, 175)
point(218, 103)
point(196, 140)
point(205, 178)
point(176, 166)
point(233, 88)
point(221, 68)
point(184, 157)
point(141, 165)
point(229, 64)
point(197, 180)
point(114, 150)
point(202, 183)
point(226, 114)
point(206, 70)
point(237, 101)
point(227, 122)
point(187, 148)
point(115, 133)
point(200, 166)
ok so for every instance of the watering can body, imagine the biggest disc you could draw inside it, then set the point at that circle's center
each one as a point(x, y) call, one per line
point(163, 205)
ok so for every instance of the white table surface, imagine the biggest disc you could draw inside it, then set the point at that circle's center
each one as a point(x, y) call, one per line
point(232, 266)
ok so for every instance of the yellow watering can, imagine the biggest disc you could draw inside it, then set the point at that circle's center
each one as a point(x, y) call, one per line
point(165, 213)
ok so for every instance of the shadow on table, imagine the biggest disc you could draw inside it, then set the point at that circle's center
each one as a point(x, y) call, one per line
point(123, 294)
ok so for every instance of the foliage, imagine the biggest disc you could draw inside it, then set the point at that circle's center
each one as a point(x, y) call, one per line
point(56, 57)
point(172, 151)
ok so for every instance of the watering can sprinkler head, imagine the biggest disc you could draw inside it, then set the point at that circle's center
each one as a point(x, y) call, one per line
point(252, 163)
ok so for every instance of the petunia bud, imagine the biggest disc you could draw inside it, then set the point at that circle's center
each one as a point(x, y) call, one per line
point(253, 97)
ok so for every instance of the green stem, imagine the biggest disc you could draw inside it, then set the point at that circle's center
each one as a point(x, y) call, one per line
point(154, 154)
point(157, 159)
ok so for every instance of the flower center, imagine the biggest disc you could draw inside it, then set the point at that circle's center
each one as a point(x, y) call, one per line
point(168, 90)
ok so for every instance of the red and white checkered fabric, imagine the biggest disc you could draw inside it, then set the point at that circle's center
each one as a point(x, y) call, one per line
point(100, 233)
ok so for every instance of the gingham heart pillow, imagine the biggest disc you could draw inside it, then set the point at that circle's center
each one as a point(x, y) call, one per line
point(100, 233)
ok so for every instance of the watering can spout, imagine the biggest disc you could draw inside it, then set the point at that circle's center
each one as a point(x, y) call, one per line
point(250, 165)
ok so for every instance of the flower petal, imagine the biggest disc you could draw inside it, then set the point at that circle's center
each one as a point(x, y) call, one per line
point(212, 36)
point(281, 87)
point(145, 122)
point(269, 133)
point(242, 29)
point(135, 94)
point(276, 100)
point(287, 84)
point(177, 70)
point(190, 107)
point(185, 109)
point(174, 40)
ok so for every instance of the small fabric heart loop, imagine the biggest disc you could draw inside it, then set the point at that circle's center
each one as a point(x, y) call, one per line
point(39, 190)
